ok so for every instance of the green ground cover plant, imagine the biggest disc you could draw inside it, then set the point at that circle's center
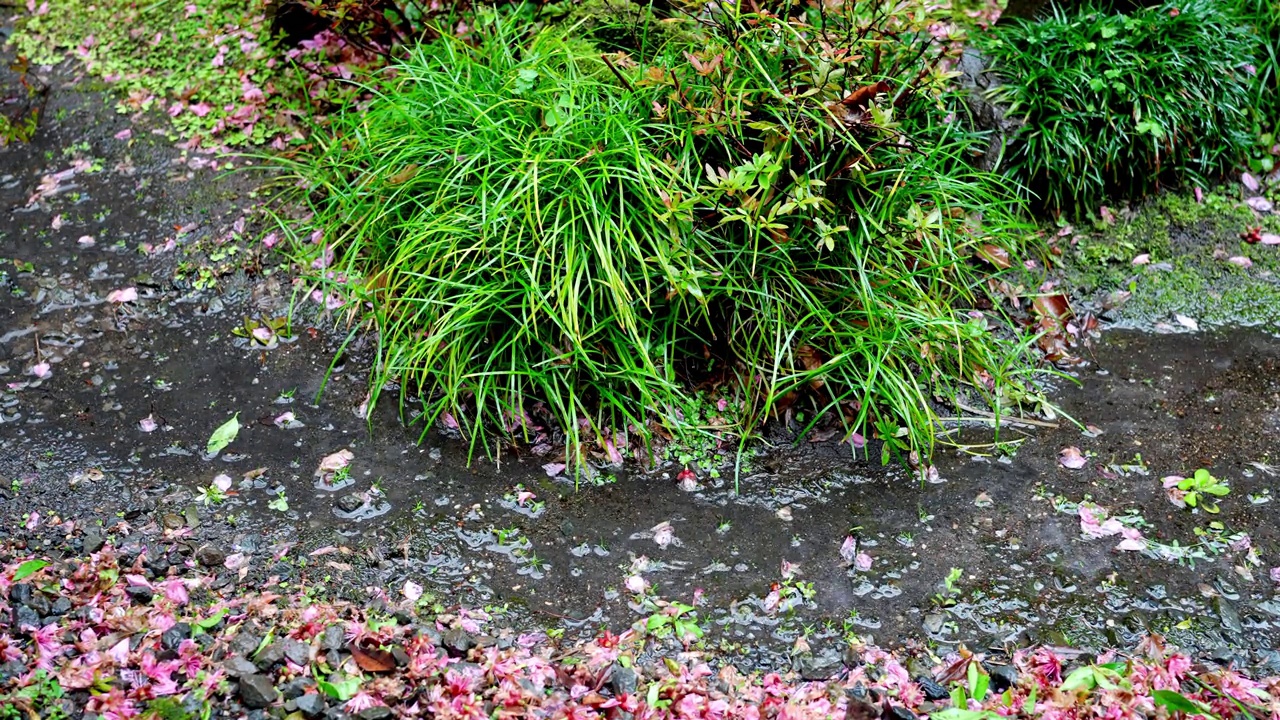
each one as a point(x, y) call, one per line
point(776, 208)
point(1118, 104)
point(214, 66)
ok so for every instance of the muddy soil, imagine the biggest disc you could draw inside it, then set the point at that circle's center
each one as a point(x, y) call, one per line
point(82, 380)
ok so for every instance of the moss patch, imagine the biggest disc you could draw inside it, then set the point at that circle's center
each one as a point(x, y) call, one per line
point(1189, 270)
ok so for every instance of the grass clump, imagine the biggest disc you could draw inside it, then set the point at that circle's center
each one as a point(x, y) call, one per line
point(549, 236)
point(1118, 104)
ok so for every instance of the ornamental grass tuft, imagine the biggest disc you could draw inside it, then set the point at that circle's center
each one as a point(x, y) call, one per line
point(776, 208)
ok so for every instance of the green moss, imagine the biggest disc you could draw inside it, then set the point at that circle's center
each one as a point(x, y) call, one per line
point(1188, 243)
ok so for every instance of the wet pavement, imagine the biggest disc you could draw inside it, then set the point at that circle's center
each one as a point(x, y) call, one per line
point(106, 408)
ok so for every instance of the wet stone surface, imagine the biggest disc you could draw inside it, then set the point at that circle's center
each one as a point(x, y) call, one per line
point(106, 408)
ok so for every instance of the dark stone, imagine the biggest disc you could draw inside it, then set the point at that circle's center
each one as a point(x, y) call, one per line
point(1228, 616)
point(859, 705)
point(431, 634)
point(296, 652)
point(377, 712)
point(140, 594)
point(976, 79)
point(256, 691)
point(20, 594)
point(238, 666)
point(11, 670)
point(400, 656)
point(270, 656)
point(823, 665)
point(403, 618)
point(350, 503)
point(92, 541)
point(897, 712)
point(210, 556)
point(1003, 677)
point(931, 689)
point(1269, 662)
point(159, 566)
point(311, 705)
point(174, 636)
point(336, 713)
point(335, 638)
point(60, 607)
point(622, 680)
point(295, 688)
point(457, 642)
point(24, 616)
point(245, 642)
point(40, 604)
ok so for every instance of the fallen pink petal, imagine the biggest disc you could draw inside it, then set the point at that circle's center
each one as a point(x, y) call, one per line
point(1071, 457)
point(124, 295)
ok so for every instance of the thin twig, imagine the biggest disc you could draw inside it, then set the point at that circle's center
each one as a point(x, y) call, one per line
point(1000, 420)
point(617, 73)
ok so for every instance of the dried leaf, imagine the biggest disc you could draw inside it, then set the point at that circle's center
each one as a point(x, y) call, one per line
point(372, 659)
point(1072, 458)
point(995, 255)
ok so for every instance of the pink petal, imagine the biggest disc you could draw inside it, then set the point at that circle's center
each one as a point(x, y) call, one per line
point(124, 134)
point(120, 652)
point(862, 562)
point(147, 424)
point(664, 534)
point(57, 222)
point(1250, 182)
point(222, 482)
point(1270, 239)
point(1133, 540)
point(1072, 458)
point(236, 561)
point(123, 295)
point(412, 591)
point(262, 334)
point(849, 549)
point(40, 370)
point(636, 584)
point(1259, 203)
point(1142, 259)
point(553, 469)
point(1241, 261)
point(336, 461)
point(201, 109)
point(87, 240)
point(1275, 574)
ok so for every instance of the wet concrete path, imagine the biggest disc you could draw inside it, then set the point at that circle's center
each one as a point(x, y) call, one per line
point(106, 407)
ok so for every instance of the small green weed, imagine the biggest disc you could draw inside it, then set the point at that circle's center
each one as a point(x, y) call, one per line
point(1198, 488)
point(675, 618)
point(42, 698)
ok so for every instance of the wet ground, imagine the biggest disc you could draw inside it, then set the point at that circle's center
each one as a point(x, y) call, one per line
point(106, 408)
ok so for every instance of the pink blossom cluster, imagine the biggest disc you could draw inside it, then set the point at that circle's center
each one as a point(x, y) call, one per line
point(110, 644)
